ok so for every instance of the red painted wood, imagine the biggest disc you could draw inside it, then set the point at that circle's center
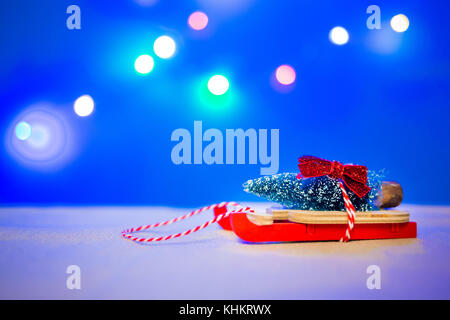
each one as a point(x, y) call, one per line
point(224, 222)
point(289, 231)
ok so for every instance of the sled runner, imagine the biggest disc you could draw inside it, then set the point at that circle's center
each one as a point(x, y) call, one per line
point(278, 225)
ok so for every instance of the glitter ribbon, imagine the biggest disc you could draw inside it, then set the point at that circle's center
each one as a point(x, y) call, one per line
point(353, 176)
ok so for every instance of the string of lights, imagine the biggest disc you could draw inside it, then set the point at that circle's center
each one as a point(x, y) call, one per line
point(26, 132)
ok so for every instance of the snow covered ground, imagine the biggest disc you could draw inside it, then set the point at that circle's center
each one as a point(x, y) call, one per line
point(38, 244)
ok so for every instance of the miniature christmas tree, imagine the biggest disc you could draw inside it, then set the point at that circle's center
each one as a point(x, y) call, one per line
point(316, 193)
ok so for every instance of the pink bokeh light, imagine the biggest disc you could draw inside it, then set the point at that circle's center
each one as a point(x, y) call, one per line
point(285, 74)
point(198, 20)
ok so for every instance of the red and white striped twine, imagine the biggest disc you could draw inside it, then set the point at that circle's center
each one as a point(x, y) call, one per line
point(350, 214)
point(127, 233)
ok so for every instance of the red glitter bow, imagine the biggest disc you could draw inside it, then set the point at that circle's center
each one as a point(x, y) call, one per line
point(354, 176)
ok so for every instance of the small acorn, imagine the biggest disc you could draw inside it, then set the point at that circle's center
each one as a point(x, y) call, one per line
point(390, 195)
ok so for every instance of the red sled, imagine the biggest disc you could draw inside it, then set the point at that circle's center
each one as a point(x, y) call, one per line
point(286, 231)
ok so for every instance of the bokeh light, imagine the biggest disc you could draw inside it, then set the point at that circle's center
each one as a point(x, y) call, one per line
point(49, 142)
point(285, 74)
point(383, 41)
point(144, 64)
point(218, 85)
point(23, 130)
point(84, 105)
point(146, 3)
point(400, 23)
point(339, 36)
point(164, 47)
point(198, 20)
point(40, 137)
point(226, 8)
point(203, 100)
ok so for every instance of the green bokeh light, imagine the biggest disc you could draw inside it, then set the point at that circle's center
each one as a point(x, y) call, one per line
point(23, 130)
point(209, 101)
point(218, 84)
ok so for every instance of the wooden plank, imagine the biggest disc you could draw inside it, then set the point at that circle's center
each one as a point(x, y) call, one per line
point(260, 219)
point(271, 215)
point(327, 217)
point(278, 213)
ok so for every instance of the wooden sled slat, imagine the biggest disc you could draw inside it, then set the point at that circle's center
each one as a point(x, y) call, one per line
point(340, 217)
point(327, 217)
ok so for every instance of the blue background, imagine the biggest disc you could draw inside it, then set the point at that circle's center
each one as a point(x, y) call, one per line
point(381, 100)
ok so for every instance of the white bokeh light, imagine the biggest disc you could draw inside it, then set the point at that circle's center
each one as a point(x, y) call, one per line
point(84, 105)
point(400, 23)
point(164, 47)
point(339, 36)
point(49, 144)
point(218, 85)
point(40, 138)
point(144, 64)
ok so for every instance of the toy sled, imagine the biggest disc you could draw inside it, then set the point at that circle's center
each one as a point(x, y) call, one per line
point(284, 225)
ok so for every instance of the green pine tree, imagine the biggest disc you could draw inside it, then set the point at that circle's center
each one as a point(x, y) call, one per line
point(318, 194)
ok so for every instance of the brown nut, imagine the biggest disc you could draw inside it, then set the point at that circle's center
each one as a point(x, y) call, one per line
point(390, 195)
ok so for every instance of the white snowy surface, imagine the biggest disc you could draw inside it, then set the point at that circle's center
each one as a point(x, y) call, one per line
point(38, 244)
